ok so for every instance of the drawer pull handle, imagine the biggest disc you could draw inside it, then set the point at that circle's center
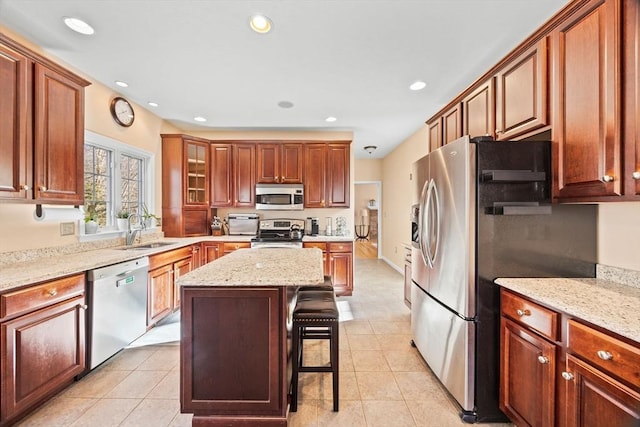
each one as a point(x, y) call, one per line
point(52, 292)
point(543, 359)
point(567, 376)
point(607, 178)
point(84, 306)
point(43, 188)
point(24, 187)
point(604, 355)
point(636, 175)
point(523, 313)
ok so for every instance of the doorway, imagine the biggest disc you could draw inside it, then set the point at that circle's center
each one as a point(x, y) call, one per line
point(367, 208)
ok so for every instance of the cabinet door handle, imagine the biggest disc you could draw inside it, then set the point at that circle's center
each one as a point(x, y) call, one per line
point(523, 313)
point(636, 175)
point(24, 187)
point(543, 359)
point(604, 355)
point(84, 306)
point(607, 178)
point(567, 376)
point(43, 188)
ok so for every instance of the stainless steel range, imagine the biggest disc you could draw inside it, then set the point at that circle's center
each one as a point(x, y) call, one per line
point(279, 233)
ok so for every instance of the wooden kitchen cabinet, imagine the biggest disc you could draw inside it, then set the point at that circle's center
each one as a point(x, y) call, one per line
point(41, 128)
point(557, 370)
point(233, 175)
point(164, 269)
point(228, 247)
point(211, 251)
point(221, 175)
point(43, 343)
point(602, 379)
point(522, 88)
point(452, 124)
point(435, 134)
point(279, 163)
point(244, 160)
point(338, 263)
point(587, 104)
point(186, 166)
point(327, 176)
point(527, 376)
point(478, 110)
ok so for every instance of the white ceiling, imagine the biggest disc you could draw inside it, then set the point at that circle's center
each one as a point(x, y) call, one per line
point(352, 59)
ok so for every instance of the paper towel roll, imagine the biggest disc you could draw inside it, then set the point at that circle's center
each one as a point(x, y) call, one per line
point(57, 214)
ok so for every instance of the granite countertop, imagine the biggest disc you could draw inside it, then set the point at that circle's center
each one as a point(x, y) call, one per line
point(56, 262)
point(260, 267)
point(604, 303)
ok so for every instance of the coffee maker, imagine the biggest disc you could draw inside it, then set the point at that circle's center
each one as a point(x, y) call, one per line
point(312, 226)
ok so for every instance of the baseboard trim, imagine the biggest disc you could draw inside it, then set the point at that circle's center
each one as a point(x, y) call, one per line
point(392, 265)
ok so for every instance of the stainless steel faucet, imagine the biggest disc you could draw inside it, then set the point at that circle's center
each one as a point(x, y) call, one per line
point(131, 234)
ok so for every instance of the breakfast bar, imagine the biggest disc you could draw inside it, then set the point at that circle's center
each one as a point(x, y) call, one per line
point(235, 321)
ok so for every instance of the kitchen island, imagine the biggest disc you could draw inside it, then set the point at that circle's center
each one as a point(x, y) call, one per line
point(234, 337)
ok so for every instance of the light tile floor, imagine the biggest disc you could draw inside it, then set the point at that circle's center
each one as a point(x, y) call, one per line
point(383, 380)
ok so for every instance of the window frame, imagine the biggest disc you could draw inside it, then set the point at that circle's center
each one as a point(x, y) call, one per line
point(148, 181)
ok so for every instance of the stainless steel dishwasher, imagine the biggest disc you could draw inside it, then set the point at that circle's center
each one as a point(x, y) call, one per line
point(117, 296)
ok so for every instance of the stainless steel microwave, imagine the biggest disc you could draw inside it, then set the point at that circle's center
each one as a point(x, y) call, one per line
point(280, 197)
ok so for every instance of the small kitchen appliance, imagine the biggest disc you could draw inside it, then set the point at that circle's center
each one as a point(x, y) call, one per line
point(243, 224)
point(312, 227)
point(279, 233)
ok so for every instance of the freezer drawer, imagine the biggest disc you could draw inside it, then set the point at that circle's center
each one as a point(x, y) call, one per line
point(446, 342)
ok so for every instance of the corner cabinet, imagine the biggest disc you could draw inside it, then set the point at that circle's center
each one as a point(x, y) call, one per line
point(327, 176)
point(185, 186)
point(43, 343)
point(41, 128)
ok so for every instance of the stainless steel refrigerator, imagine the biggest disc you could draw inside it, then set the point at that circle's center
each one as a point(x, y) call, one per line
point(484, 211)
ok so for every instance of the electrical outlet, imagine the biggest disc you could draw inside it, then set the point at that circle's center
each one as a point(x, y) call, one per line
point(67, 229)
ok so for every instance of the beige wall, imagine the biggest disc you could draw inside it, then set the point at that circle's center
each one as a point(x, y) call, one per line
point(397, 195)
point(619, 235)
point(368, 170)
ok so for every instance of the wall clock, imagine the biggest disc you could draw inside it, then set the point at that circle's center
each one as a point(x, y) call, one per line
point(122, 111)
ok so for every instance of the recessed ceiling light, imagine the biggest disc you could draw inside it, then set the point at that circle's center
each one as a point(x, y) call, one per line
point(417, 85)
point(121, 84)
point(285, 104)
point(78, 25)
point(260, 24)
point(330, 119)
point(199, 119)
point(153, 104)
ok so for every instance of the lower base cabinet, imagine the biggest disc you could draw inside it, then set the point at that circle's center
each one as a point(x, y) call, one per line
point(43, 343)
point(338, 263)
point(594, 372)
point(163, 297)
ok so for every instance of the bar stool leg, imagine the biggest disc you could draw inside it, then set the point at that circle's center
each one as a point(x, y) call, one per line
point(295, 360)
point(334, 363)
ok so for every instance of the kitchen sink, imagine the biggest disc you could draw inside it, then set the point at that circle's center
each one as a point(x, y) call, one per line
point(147, 246)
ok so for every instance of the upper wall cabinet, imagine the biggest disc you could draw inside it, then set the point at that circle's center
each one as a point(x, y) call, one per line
point(185, 186)
point(435, 134)
point(41, 128)
point(279, 163)
point(521, 93)
point(478, 110)
point(587, 104)
point(445, 128)
point(326, 175)
point(233, 174)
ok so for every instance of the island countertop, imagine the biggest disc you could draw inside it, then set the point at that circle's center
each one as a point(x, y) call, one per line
point(260, 267)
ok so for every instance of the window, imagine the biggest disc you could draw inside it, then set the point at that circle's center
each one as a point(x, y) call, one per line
point(117, 177)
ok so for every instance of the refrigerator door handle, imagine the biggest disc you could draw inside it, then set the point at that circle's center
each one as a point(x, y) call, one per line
point(435, 219)
point(422, 232)
point(429, 212)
